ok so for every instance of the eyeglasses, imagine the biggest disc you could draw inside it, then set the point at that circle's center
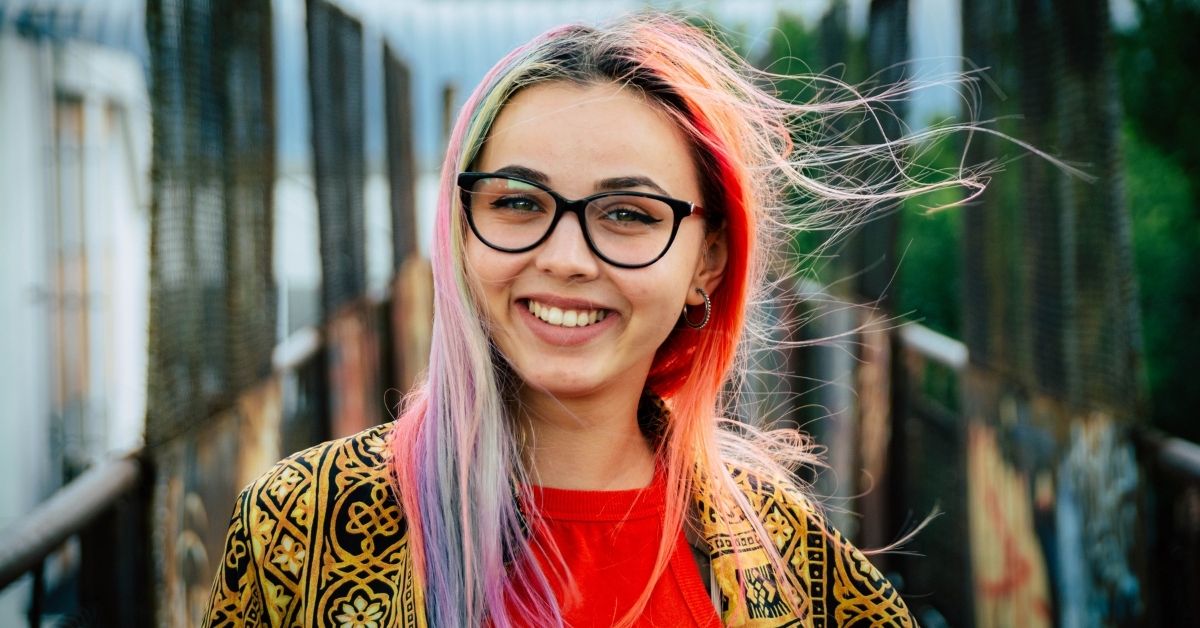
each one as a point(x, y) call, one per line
point(625, 229)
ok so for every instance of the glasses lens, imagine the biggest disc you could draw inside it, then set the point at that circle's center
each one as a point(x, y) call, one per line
point(630, 229)
point(509, 214)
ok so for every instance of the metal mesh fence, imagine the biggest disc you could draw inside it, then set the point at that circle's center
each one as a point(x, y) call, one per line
point(987, 31)
point(212, 302)
point(402, 172)
point(335, 74)
point(1105, 303)
point(1049, 313)
point(1048, 285)
point(1045, 299)
point(872, 247)
point(249, 183)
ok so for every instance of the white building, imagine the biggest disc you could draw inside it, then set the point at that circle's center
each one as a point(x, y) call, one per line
point(74, 251)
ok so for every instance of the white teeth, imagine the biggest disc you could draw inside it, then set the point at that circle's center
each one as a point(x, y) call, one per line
point(565, 318)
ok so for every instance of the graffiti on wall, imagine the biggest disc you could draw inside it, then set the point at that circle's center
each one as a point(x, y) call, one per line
point(1010, 576)
point(355, 397)
point(412, 313)
point(1096, 516)
point(197, 481)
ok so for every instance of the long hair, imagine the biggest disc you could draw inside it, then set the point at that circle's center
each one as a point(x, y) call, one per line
point(456, 459)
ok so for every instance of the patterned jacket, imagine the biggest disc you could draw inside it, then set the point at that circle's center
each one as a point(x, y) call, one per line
point(319, 540)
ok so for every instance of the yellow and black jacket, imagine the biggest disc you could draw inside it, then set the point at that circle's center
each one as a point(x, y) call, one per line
point(320, 541)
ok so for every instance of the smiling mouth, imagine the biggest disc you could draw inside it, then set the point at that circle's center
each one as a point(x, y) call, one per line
point(565, 318)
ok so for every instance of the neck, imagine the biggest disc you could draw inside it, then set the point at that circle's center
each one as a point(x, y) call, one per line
point(585, 444)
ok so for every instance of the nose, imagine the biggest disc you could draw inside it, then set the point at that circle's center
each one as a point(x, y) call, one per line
point(565, 253)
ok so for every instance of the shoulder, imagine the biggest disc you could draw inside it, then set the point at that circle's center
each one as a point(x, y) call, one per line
point(294, 488)
point(314, 492)
point(358, 458)
point(299, 527)
point(302, 522)
point(840, 584)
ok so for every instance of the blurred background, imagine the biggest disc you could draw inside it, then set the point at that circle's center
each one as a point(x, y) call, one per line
point(212, 249)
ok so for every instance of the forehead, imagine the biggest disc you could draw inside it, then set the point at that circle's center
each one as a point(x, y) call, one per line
point(581, 134)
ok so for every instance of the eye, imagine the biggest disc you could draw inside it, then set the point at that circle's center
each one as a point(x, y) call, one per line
point(517, 204)
point(629, 215)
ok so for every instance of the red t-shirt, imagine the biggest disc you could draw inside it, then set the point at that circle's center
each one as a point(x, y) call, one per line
point(609, 541)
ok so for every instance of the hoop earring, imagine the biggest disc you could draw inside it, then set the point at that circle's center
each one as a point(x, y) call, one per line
point(707, 311)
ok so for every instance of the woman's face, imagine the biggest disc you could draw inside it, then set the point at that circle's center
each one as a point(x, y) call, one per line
point(579, 140)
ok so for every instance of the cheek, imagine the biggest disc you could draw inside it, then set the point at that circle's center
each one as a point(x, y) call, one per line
point(659, 298)
point(672, 275)
point(488, 266)
point(490, 273)
point(476, 265)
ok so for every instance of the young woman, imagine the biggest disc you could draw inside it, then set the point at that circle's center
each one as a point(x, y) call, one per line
point(608, 209)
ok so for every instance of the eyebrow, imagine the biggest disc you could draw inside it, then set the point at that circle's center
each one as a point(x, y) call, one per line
point(611, 183)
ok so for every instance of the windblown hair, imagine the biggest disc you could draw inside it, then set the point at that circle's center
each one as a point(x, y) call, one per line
point(458, 471)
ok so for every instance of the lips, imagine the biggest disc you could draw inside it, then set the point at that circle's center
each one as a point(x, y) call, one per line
point(565, 317)
point(564, 322)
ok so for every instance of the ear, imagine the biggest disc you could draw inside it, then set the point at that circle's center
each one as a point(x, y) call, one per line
point(711, 266)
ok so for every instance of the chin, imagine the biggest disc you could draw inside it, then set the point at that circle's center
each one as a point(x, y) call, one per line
point(561, 385)
point(565, 389)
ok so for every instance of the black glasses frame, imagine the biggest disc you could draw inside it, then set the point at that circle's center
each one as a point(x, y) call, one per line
point(681, 210)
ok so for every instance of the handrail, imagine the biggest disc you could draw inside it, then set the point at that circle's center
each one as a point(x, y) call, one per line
point(940, 348)
point(932, 345)
point(26, 543)
point(1175, 456)
point(296, 349)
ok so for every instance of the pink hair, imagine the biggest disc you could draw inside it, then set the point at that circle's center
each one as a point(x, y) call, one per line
point(456, 459)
